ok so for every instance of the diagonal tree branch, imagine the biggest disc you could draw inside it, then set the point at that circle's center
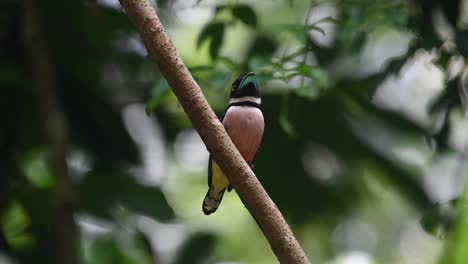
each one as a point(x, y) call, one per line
point(213, 134)
point(64, 197)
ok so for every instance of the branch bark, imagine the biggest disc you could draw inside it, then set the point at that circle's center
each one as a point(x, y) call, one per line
point(64, 197)
point(213, 134)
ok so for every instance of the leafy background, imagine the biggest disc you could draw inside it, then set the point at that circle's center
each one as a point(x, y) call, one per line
point(364, 150)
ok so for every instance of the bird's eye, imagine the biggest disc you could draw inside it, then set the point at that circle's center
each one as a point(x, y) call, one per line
point(234, 87)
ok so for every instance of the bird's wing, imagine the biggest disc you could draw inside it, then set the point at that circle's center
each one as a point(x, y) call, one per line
point(210, 160)
point(210, 171)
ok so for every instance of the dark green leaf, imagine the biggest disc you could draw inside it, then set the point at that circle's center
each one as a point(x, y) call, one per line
point(220, 8)
point(438, 219)
point(161, 92)
point(156, 101)
point(216, 41)
point(263, 46)
point(307, 91)
point(164, 3)
point(231, 64)
point(328, 19)
point(358, 43)
point(102, 132)
point(119, 247)
point(14, 223)
point(316, 28)
point(105, 250)
point(300, 32)
point(101, 191)
point(35, 167)
point(12, 76)
point(196, 249)
point(455, 250)
point(210, 31)
point(215, 32)
point(462, 42)
point(284, 121)
point(246, 14)
point(146, 200)
point(318, 75)
point(201, 68)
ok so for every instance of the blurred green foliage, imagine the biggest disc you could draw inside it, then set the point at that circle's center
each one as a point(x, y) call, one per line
point(332, 154)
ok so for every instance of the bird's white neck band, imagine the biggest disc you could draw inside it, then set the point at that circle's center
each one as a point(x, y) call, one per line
point(245, 99)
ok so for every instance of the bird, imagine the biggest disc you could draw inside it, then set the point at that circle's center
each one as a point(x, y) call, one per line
point(244, 123)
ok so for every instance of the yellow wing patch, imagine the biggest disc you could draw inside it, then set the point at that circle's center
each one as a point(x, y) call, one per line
point(218, 180)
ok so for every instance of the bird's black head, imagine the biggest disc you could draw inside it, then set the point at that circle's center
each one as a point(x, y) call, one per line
point(244, 86)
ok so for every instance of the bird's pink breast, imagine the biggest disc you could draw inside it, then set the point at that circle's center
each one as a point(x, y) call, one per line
point(245, 126)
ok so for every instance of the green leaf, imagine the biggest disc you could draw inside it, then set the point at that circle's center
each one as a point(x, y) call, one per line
point(99, 127)
point(162, 91)
point(438, 220)
point(358, 42)
point(231, 64)
point(118, 246)
point(318, 75)
point(216, 41)
point(105, 250)
point(196, 249)
point(34, 165)
point(245, 14)
point(300, 32)
point(14, 223)
point(163, 3)
point(328, 19)
point(200, 68)
point(11, 75)
point(462, 42)
point(286, 124)
point(263, 46)
point(101, 191)
point(156, 101)
point(316, 28)
point(220, 8)
point(215, 32)
point(307, 91)
point(455, 247)
point(146, 200)
point(209, 31)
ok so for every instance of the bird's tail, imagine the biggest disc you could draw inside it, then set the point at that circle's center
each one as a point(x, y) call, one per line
point(212, 200)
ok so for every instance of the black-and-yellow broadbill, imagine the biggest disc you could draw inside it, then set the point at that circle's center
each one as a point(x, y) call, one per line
point(244, 123)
